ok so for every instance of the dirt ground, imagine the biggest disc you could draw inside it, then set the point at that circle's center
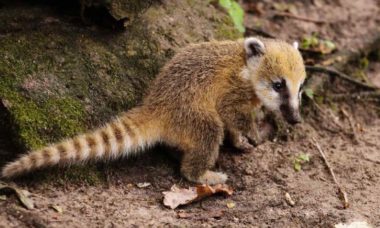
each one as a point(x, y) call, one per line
point(260, 178)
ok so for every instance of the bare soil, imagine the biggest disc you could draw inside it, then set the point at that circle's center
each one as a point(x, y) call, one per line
point(260, 178)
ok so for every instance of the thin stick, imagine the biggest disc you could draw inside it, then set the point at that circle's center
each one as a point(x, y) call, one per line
point(290, 15)
point(342, 193)
point(341, 75)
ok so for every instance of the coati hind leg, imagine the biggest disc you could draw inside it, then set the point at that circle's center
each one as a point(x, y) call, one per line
point(201, 156)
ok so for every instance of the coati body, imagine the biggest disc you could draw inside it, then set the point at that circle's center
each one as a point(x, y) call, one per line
point(206, 90)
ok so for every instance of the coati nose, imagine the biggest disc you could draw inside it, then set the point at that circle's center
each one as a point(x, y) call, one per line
point(291, 115)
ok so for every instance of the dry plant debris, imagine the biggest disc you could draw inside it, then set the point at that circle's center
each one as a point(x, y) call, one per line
point(342, 193)
point(57, 208)
point(20, 194)
point(182, 196)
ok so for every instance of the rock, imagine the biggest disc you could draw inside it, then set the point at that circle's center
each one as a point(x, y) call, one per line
point(60, 77)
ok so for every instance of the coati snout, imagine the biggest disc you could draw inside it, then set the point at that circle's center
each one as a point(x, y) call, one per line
point(290, 114)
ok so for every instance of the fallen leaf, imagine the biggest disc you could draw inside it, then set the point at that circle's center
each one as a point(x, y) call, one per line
point(25, 201)
point(181, 196)
point(143, 185)
point(231, 205)
point(57, 208)
point(28, 203)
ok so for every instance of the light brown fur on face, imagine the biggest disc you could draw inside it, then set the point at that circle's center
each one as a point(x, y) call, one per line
point(205, 91)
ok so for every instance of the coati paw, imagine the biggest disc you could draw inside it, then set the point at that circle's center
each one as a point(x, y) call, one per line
point(211, 178)
point(243, 144)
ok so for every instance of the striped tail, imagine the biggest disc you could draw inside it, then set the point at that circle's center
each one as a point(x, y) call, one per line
point(129, 133)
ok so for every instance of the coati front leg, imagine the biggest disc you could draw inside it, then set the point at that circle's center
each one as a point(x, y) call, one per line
point(199, 157)
point(239, 122)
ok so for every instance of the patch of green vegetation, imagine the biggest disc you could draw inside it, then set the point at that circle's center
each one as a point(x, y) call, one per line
point(309, 93)
point(38, 123)
point(236, 13)
point(300, 160)
point(364, 63)
point(314, 43)
point(309, 41)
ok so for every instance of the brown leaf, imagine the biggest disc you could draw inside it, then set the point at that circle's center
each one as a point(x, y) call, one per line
point(25, 201)
point(181, 196)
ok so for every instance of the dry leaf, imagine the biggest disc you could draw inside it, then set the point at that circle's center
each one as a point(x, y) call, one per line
point(143, 185)
point(181, 196)
point(25, 201)
point(57, 208)
point(231, 205)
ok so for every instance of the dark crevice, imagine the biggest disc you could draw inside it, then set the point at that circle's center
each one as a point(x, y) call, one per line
point(8, 147)
point(72, 11)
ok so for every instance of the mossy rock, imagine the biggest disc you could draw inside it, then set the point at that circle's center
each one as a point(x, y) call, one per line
point(60, 77)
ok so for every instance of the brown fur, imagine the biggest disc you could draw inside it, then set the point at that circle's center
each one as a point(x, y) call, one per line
point(198, 96)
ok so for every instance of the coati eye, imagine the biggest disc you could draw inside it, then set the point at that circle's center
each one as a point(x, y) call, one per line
point(277, 86)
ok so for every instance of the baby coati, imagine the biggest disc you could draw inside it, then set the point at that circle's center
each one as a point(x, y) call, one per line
point(203, 92)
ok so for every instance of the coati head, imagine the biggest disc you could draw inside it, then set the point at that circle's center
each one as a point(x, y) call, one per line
point(277, 72)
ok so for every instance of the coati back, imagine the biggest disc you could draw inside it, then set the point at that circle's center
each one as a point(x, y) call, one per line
point(206, 90)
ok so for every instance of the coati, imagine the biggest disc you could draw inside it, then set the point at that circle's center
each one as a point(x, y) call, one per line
point(205, 90)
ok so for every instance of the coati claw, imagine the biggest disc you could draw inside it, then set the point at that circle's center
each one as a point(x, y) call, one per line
point(242, 143)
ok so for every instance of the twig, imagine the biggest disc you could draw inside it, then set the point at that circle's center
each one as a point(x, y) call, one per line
point(341, 75)
point(352, 125)
point(371, 160)
point(290, 15)
point(342, 193)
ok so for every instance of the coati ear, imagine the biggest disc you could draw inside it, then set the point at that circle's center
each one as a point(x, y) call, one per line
point(253, 47)
point(295, 45)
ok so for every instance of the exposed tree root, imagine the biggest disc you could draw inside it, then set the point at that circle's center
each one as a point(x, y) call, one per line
point(333, 72)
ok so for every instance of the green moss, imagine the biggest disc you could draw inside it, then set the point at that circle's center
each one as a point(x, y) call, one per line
point(63, 78)
point(37, 124)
